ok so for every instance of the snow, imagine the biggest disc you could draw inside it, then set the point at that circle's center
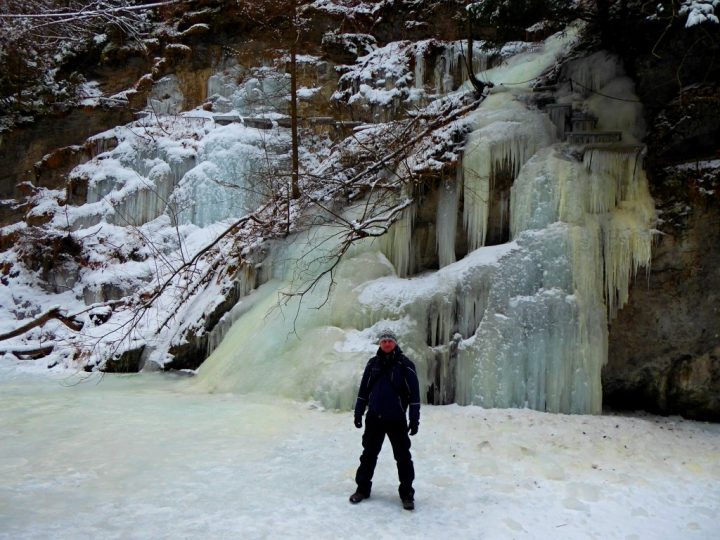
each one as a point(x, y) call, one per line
point(88, 92)
point(395, 293)
point(143, 457)
point(696, 165)
point(307, 93)
point(385, 77)
point(519, 71)
point(349, 9)
point(699, 11)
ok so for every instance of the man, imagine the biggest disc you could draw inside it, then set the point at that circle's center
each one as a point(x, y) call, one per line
point(389, 385)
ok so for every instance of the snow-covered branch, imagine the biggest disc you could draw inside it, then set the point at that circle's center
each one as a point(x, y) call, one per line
point(101, 8)
point(46, 19)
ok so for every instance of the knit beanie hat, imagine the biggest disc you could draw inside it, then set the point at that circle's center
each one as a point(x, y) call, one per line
point(387, 334)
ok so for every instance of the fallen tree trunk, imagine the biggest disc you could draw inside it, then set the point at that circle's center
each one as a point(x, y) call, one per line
point(30, 354)
point(54, 313)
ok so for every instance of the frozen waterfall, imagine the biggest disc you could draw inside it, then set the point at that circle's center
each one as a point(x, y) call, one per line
point(521, 323)
point(186, 165)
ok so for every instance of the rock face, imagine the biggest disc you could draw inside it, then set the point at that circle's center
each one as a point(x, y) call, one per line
point(664, 353)
point(664, 349)
point(23, 147)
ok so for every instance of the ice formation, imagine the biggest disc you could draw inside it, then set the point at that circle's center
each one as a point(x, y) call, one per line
point(398, 244)
point(504, 139)
point(132, 183)
point(599, 84)
point(518, 324)
point(237, 168)
point(202, 173)
point(405, 74)
point(451, 66)
point(166, 96)
point(258, 91)
point(262, 350)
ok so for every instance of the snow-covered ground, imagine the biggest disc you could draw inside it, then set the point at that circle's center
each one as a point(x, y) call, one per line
point(145, 456)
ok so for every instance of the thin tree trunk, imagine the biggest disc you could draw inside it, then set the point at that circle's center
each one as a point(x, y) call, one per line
point(603, 20)
point(295, 182)
point(477, 84)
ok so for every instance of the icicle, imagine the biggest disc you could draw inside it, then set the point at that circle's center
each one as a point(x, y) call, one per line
point(471, 307)
point(399, 246)
point(476, 191)
point(593, 72)
point(628, 244)
point(439, 74)
point(447, 216)
point(420, 67)
point(440, 319)
point(451, 64)
point(626, 232)
point(559, 115)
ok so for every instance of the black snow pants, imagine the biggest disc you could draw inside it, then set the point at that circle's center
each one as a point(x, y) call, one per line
point(373, 437)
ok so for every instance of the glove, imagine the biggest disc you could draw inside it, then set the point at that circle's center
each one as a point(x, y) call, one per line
point(413, 428)
point(358, 422)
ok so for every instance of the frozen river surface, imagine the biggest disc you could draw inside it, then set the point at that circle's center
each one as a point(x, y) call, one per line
point(145, 457)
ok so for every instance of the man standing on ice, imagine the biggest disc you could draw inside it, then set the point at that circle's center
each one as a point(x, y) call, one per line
point(389, 386)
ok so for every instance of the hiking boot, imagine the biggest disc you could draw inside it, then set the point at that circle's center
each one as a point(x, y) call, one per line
point(408, 504)
point(358, 497)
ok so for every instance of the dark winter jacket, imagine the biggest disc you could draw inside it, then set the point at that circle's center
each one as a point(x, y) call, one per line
point(389, 385)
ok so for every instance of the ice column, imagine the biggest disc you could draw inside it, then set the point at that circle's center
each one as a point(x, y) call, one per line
point(398, 244)
point(525, 351)
point(446, 221)
point(420, 52)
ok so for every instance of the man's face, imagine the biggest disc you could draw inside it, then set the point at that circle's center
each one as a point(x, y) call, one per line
point(387, 345)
